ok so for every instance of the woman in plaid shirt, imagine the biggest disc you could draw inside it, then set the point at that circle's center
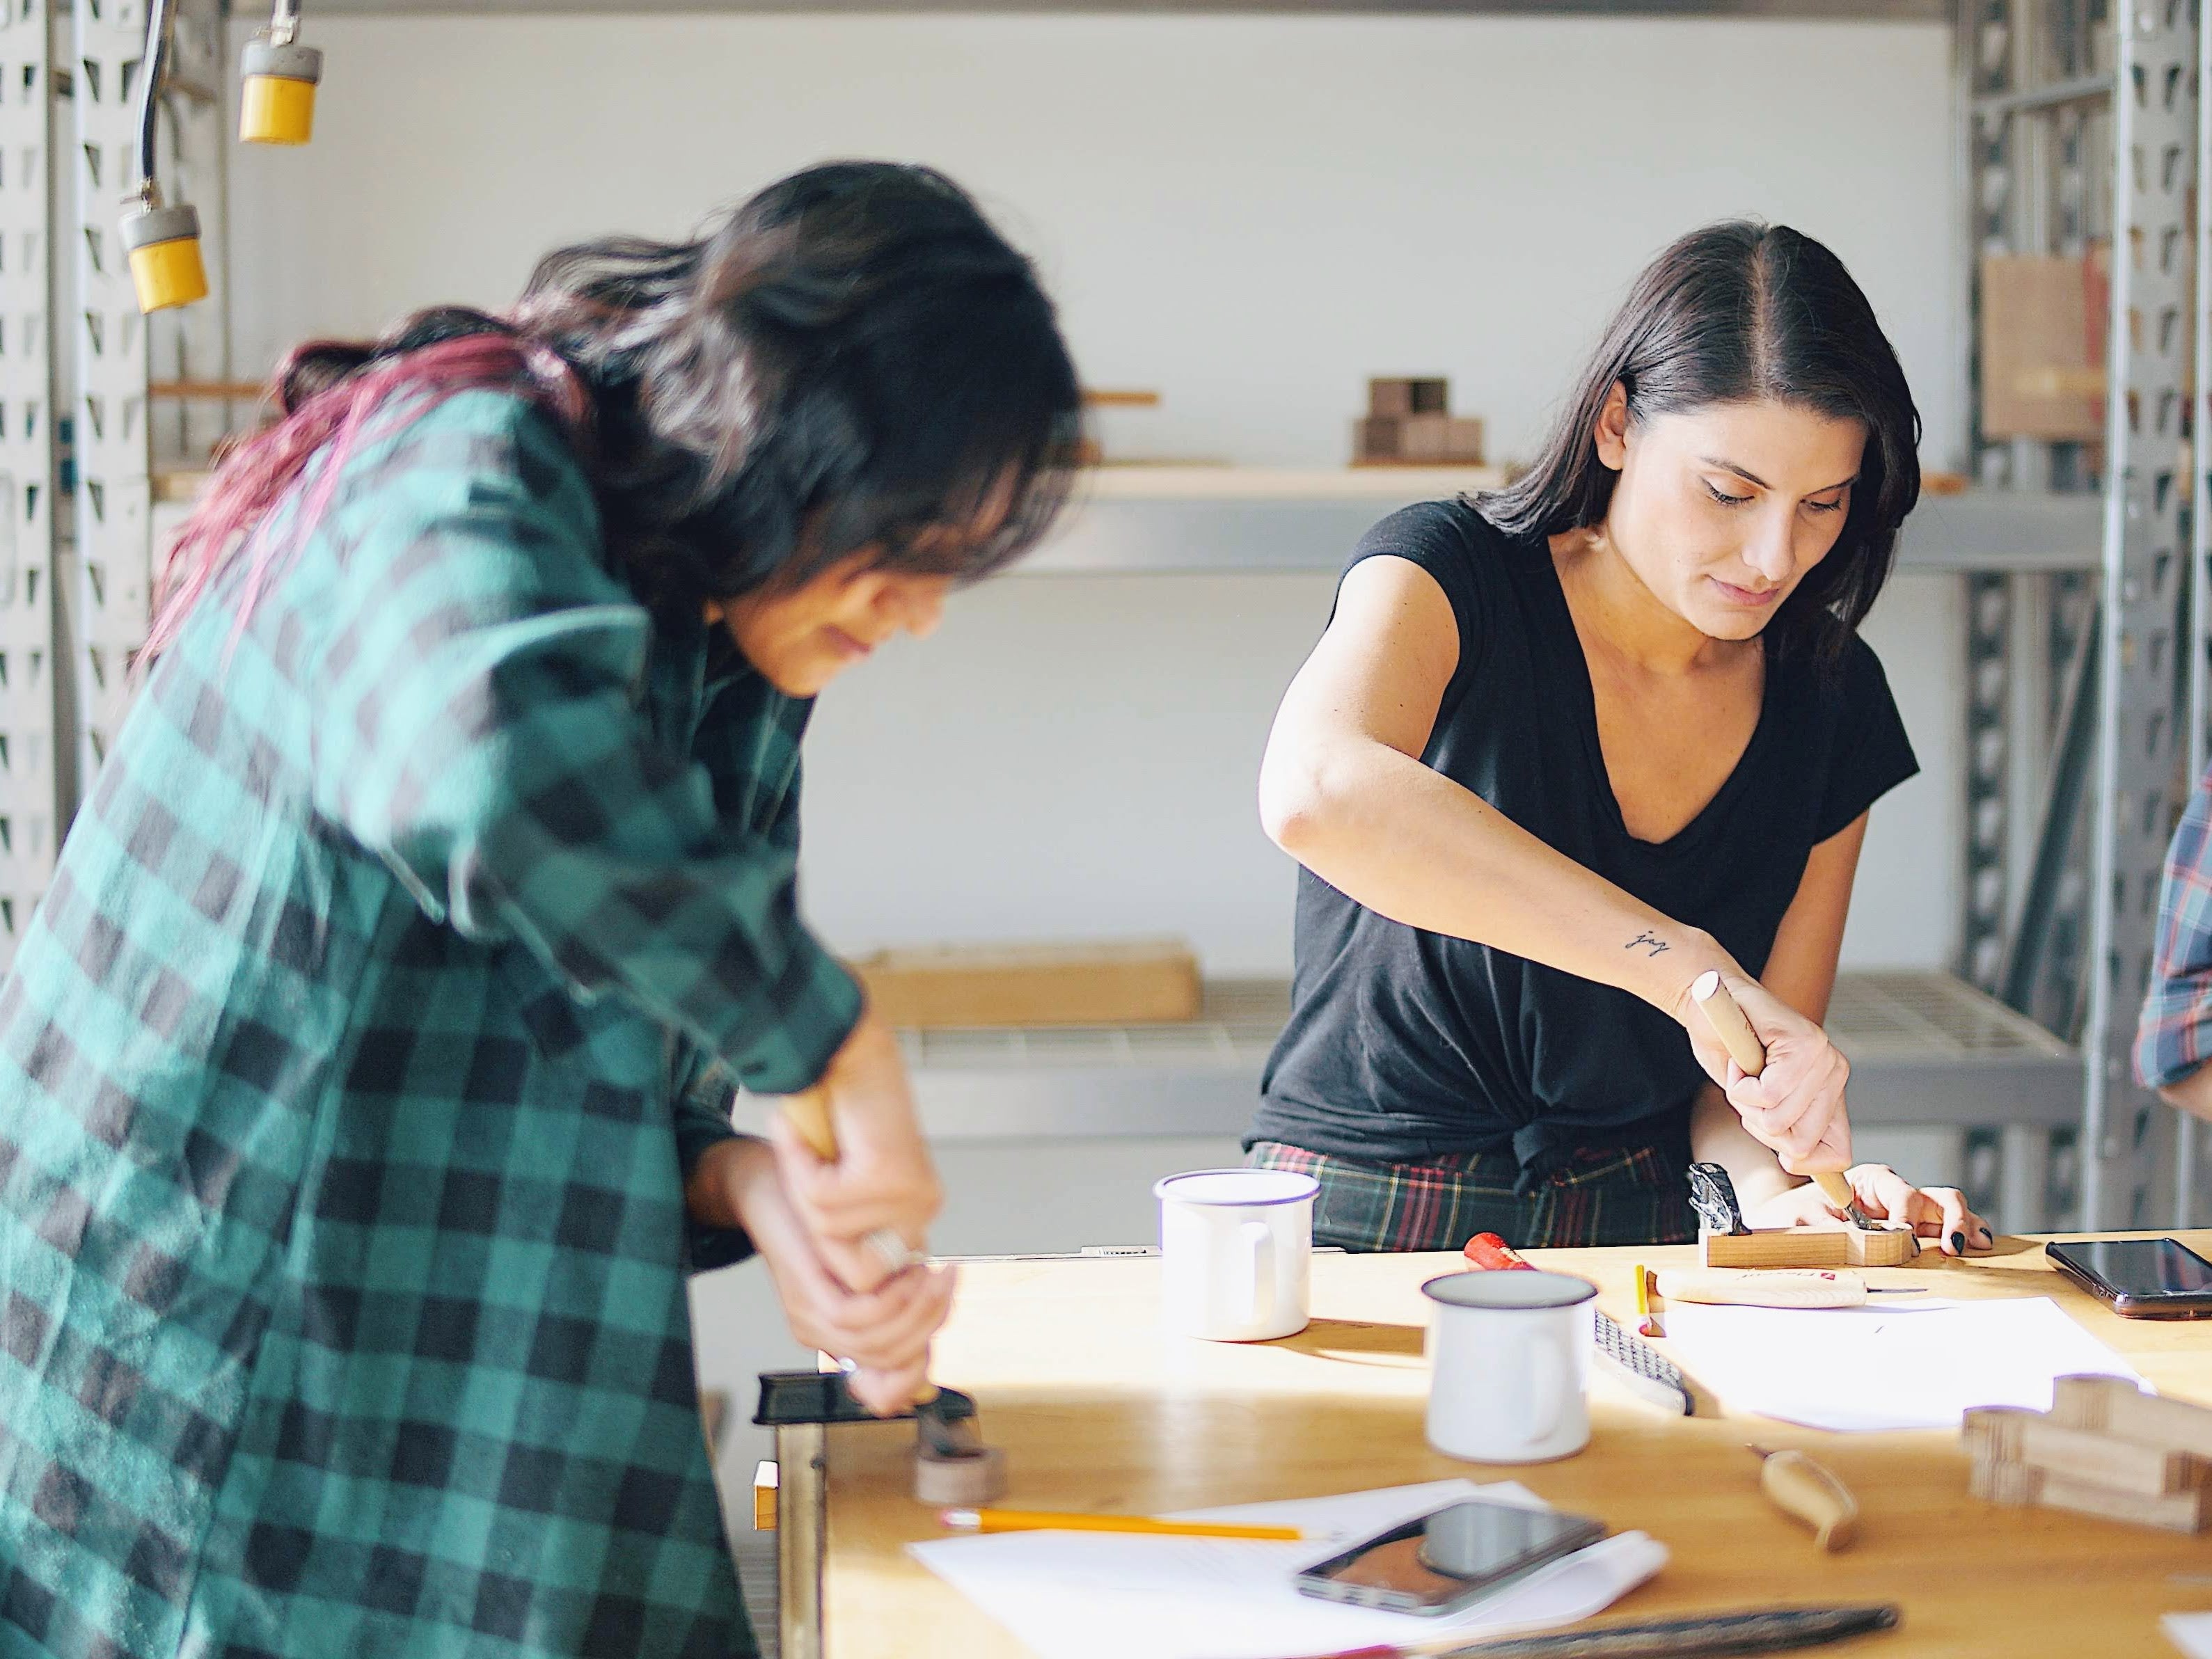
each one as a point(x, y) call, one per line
point(364, 1077)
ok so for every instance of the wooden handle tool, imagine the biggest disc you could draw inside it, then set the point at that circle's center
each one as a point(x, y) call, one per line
point(808, 1112)
point(950, 1464)
point(1801, 1487)
point(1744, 1047)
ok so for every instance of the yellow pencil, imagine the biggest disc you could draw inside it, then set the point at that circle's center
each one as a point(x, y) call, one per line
point(1047, 1520)
point(1645, 1324)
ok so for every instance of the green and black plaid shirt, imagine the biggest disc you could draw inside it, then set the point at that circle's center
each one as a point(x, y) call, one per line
point(349, 1076)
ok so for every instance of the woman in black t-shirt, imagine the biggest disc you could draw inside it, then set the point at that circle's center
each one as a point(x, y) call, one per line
point(1563, 748)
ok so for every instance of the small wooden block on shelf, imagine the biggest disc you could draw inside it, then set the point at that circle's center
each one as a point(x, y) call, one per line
point(1417, 441)
point(1809, 1247)
point(1409, 423)
point(1409, 395)
point(2104, 1449)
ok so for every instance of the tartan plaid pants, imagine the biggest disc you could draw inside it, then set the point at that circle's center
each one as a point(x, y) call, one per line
point(1599, 1195)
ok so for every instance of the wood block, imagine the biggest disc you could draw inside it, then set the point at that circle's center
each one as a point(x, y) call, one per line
point(2116, 1407)
point(766, 1478)
point(1378, 438)
point(2181, 1511)
point(1135, 982)
point(1809, 1247)
point(1881, 1247)
point(1775, 1246)
point(1425, 437)
point(969, 1481)
point(1429, 395)
point(2102, 1460)
point(1463, 439)
point(2085, 1402)
point(1996, 1482)
point(1992, 1433)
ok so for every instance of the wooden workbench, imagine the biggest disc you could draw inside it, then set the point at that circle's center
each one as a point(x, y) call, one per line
point(1098, 1409)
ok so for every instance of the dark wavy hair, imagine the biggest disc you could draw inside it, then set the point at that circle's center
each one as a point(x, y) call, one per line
point(852, 359)
point(1740, 312)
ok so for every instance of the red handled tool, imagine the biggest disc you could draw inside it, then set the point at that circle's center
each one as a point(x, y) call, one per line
point(1489, 1251)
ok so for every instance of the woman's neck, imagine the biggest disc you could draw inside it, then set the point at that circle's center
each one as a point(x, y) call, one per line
point(1613, 608)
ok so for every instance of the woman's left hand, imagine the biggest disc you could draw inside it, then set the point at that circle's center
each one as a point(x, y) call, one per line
point(1936, 1212)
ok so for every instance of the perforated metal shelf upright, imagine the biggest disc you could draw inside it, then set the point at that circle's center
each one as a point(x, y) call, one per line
point(118, 437)
point(2083, 126)
point(30, 471)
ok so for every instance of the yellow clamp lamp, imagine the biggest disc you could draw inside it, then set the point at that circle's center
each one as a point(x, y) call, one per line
point(164, 245)
point(162, 241)
point(278, 101)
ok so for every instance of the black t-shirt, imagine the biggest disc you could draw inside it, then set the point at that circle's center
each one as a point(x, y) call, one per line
point(1404, 1044)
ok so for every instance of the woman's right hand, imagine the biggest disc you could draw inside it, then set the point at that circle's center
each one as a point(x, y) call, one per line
point(1794, 1106)
point(885, 1332)
point(882, 1179)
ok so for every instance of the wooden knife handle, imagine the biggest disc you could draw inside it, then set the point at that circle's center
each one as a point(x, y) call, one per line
point(808, 1112)
point(1801, 1487)
point(1767, 1288)
point(1744, 1047)
point(1728, 1022)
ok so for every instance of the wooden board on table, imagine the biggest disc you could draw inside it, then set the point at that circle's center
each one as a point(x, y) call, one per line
point(1810, 1247)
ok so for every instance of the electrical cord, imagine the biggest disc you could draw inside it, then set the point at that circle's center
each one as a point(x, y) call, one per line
point(161, 17)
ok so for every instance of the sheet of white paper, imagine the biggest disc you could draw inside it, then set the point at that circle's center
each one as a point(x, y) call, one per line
point(1908, 1363)
point(1106, 1596)
point(2189, 1631)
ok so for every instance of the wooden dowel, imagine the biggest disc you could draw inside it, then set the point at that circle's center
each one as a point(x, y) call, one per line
point(1730, 1025)
point(808, 1112)
point(1729, 1022)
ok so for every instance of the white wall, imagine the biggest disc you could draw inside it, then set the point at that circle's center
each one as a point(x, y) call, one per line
point(1252, 215)
point(1074, 757)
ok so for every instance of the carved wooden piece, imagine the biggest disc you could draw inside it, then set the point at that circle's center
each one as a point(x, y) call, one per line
point(2104, 1449)
point(1809, 1247)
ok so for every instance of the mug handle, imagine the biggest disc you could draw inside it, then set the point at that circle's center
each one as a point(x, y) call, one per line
point(1553, 1370)
point(1259, 1276)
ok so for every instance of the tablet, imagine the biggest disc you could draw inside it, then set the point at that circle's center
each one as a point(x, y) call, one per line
point(2142, 1278)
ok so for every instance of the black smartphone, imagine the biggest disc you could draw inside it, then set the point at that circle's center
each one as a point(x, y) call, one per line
point(1441, 1562)
point(2142, 1278)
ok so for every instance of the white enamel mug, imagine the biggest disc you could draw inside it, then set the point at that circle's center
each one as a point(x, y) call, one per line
point(1508, 1360)
point(1236, 1253)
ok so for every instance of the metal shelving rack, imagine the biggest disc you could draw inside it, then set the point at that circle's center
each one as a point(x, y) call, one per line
point(1926, 1050)
point(2082, 126)
point(2071, 561)
point(116, 431)
point(29, 715)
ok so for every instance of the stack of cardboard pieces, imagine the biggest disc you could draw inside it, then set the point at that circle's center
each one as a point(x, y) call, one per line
point(2104, 1449)
point(1409, 423)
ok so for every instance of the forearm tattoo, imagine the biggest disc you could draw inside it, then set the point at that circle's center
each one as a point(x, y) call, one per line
point(1652, 943)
